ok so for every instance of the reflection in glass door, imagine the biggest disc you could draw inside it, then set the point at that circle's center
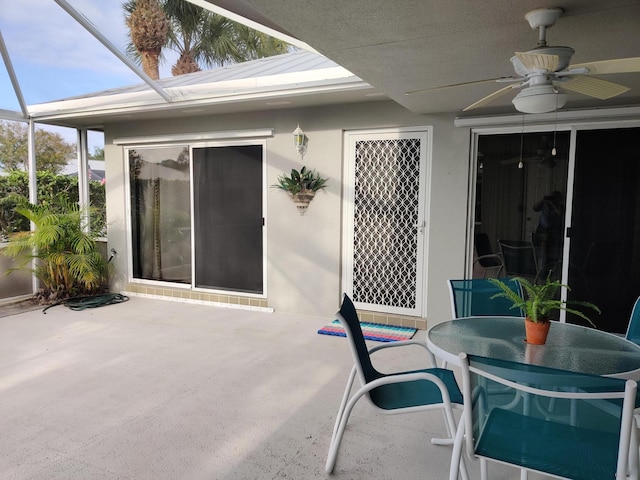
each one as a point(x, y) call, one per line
point(520, 202)
point(604, 231)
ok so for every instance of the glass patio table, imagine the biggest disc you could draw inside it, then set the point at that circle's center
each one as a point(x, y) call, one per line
point(569, 347)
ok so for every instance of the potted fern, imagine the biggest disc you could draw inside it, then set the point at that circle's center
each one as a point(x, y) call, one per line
point(301, 186)
point(538, 303)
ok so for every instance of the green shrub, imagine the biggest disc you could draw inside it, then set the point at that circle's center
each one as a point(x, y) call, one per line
point(54, 191)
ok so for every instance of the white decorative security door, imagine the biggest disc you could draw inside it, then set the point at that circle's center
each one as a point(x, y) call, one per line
point(385, 219)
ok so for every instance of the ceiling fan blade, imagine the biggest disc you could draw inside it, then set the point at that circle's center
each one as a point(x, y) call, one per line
point(592, 87)
point(618, 65)
point(539, 61)
point(464, 84)
point(490, 98)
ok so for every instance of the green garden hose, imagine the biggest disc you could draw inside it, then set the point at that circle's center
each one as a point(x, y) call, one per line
point(90, 301)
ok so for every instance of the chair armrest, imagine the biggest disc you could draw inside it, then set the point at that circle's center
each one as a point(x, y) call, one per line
point(492, 256)
point(404, 343)
point(401, 343)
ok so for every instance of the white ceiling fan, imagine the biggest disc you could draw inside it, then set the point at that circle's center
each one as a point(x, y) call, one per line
point(544, 73)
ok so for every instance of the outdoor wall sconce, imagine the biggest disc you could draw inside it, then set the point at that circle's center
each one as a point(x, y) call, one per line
point(300, 141)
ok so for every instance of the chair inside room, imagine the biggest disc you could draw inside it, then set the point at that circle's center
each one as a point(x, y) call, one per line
point(590, 435)
point(399, 392)
point(472, 297)
point(519, 259)
point(490, 262)
point(633, 330)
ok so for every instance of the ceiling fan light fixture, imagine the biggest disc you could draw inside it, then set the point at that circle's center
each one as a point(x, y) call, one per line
point(539, 99)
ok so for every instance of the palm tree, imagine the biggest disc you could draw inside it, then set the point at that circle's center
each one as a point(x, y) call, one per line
point(148, 27)
point(68, 260)
point(204, 39)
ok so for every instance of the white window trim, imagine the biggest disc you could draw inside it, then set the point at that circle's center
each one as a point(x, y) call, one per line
point(222, 141)
point(195, 137)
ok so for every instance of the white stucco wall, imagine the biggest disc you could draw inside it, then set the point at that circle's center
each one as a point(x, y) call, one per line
point(304, 252)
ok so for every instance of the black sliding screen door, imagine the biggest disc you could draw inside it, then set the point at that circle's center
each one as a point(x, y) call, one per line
point(228, 240)
point(605, 225)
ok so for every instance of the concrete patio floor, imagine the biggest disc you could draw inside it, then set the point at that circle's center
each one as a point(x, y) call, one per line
point(152, 389)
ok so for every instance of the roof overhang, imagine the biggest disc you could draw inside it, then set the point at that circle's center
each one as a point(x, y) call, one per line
point(216, 92)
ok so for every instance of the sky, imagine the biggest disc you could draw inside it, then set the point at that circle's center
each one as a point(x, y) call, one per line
point(54, 57)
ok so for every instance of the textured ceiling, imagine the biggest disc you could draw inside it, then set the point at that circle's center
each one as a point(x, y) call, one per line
point(409, 45)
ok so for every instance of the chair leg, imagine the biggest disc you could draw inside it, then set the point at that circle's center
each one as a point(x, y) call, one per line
point(456, 454)
point(458, 464)
point(634, 452)
point(345, 397)
point(484, 472)
point(447, 422)
point(339, 430)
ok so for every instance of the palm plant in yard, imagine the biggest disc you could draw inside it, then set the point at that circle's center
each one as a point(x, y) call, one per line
point(199, 36)
point(67, 260)
point(148, 27)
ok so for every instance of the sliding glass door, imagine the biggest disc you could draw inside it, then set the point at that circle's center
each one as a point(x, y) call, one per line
point(592, 243)
point(197, 218)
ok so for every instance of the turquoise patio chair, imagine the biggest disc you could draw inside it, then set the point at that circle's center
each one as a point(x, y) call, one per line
point(400, 392)
point(633, 330)
point(472, 297)
point(590, 435)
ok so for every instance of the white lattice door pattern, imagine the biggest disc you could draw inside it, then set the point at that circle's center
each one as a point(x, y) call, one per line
point(385, 220)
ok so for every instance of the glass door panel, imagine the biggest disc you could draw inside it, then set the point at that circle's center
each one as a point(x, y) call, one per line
point(228, 224)
point(160, 214)
point(520, 197)
point(605, 225)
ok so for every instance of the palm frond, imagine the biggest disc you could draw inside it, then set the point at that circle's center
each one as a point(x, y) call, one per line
point(540, 299)
point(68, 261)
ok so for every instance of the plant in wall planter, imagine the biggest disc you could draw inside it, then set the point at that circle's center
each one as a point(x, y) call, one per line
point(301, 186)
point(538, 303)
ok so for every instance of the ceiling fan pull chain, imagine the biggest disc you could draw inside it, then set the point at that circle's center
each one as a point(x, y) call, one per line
point(520, 163)
point(555, 127)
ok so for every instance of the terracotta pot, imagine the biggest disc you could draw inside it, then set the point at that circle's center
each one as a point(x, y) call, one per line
point(536, 331)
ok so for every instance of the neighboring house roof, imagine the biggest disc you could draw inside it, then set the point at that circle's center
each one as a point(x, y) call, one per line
point(297, 74)
point(95, 170)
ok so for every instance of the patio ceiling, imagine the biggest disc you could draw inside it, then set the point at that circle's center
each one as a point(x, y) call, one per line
point(390, 48)
point(417, 44)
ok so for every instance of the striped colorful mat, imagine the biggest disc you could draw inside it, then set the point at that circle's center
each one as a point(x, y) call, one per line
point(372, 331)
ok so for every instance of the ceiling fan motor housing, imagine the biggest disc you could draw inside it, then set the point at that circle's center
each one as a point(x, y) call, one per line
point(557, 59)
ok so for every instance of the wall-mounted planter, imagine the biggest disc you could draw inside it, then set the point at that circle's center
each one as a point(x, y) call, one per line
point(301, 186)
point(302, 200)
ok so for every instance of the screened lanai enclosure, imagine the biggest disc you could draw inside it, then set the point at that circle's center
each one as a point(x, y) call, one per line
point(574, 215)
